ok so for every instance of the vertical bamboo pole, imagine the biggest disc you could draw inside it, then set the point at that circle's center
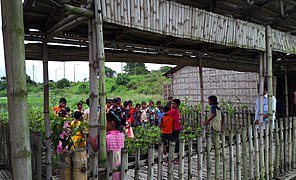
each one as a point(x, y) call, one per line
point(257, 156)
point(217, 156)
point(39, 156)
point(199, 158)
point(238, 157)
point(245, 155)
point(190, 158)
point(171, 161)
point(294, 144)
point(160, 160)
point(14, 51)
point(251, 152)
point(93, 97)
point(209, 174)
point(286, 144)
point(224, 156)
point(270, 95)
point(261, 132)
point(202, 101)
point(231, 157)
point(109, 166)
point(266, 155)
point(137, 164)
point(102, 92)
point(66, 166)
point(286, 94)
point(80, 164)
point(290, 145)
point(277, 149)
point(181, 159)
point(150, 162)
point(282, 145)
point(46, 110)
point(124, 164)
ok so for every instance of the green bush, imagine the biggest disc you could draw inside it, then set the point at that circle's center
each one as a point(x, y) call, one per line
point(122, 79)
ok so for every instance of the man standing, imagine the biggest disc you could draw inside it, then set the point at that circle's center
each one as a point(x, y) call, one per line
point(265, 108)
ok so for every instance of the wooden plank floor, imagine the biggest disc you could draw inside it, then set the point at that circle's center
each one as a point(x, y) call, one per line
point(4, 174)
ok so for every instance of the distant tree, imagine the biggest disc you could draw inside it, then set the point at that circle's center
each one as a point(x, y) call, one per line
point(63, 83)
point(30, 81)
point(122, 79)
point(110, 73)
point(135, 69)
point(84, 80)
point(164, 69)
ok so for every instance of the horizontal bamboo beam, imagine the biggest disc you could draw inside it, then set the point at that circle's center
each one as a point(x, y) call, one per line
point(82, 12)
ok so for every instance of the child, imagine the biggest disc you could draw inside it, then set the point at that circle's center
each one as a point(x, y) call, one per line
point(62, 105)
point(160, 114)
point(114, 139)
point(78, 139)
point(137, 116)
point(158, 105)
point(144, 116)
point(108, 105)
point(152, 114)
point(64, 134)
point(80, 107)
point(174, 112)
point(167, 126)
point(216, 119)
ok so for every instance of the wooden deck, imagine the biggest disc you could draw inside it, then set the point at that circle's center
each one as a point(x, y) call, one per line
point(4, 174)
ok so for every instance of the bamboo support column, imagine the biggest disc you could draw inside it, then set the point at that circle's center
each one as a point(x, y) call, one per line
point(209, 173)
point(202, 101)
point(224, 156)
point(245, 155)
point(100, 58)
point(286, 95)
point(238, 157)
point(290, 145)
point(46, 110)
point(286, 144)
point(261, 132)
point(150, 162)
point(80, 164)
point(277, 149)
point(190, 158)
point(181, 159)
point(171, 161)
point(251, 152)
point(93, 98)
point(199, 158)
point(217, 156)
point(270, 95)
point(39, 156)
point(282, 145)
point(124, 164)
point(257, 156)
point(137, 164)
point(160, 160)
point(231, 157)
point(294, 144)
point(14, 51)
point(266, 155)
point(109, 166)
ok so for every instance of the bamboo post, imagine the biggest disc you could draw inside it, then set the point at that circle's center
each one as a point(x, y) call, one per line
point(202, 101)
point(217, 155)
point(181, 159)
point(245, 154)
point(224, 156)
point(100, 58)
point(266, 155)
point(261, 132)
point(257, 154)
point(238, 157)
point(231, 158)
point(261, 151)
point(251, 152)
point(14, 51)
point(79, 164)
point(150, 162)
point(209, 174)
point(286, 94)
point(171, 161)
point(46, 110)
point(277, 148)
point(137, 164)
point(66, 166)
point(199, 158)
point(124, 164)
point(39, 156)
point(109, 165)
point(93, 98)
point(190, 159)
point(282, 145)
point(290, 145)
point(160, 160)
point(286, 144)
point(270, 95)
point(294, 144)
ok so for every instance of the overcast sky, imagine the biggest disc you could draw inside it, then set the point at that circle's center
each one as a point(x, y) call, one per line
point(56, 69)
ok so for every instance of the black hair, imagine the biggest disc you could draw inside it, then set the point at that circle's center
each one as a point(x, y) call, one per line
point(87, 102)
point(170, 97)
point(151, 102)
point(177, 101)
point(63, 100)
point(116, 118)
point(125, 103)
point(138, 105)
point(130, 102)
point(158, 102)
point(213, 99)
point(118, 99)
point(62, 112)
point(67, 109)
point(79, 102)
point(77, 115)
point(166, 109)
point(143, 102)
point(115, 100)
point(265, 86)
point(160, 107)
point(108, 101)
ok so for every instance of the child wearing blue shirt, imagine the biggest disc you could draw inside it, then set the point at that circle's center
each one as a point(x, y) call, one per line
point(160, 114)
